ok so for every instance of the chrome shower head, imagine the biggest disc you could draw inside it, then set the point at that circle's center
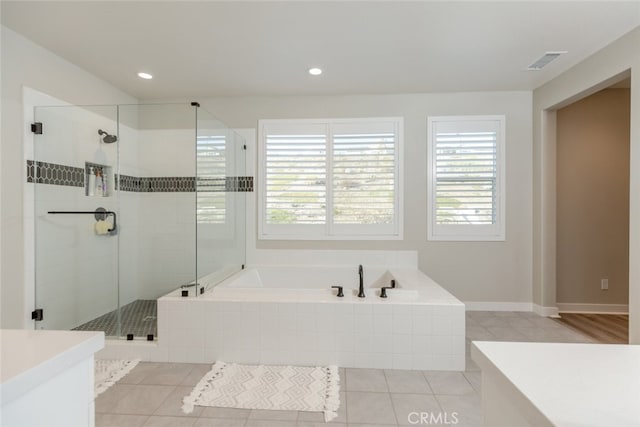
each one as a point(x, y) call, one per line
point(108, 139)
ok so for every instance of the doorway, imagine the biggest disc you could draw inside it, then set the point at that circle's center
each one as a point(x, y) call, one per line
point(592, 209)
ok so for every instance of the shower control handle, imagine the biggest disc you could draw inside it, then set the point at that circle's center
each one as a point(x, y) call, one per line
point(339, 288)
point(383, 291)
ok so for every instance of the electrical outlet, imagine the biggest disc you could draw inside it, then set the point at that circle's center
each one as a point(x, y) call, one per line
point(604, 284)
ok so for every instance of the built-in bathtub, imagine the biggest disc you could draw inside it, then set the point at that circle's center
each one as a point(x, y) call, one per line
point(312, 283)
point(291, 315)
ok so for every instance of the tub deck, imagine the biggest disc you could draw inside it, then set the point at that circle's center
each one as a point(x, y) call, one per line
point(420, 326)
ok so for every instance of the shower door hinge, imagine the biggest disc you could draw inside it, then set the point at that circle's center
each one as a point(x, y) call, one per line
point(37, 315)
point(244, 147)
point(36, 128)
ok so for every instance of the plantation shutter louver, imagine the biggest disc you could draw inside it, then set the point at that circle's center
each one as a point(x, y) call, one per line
point(211, 176)
point(465, 177)
point(466, 191)
point(326, 179)
point(295, 178)
point(364, 170)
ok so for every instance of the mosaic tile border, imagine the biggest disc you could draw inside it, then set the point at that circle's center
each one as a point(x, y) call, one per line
point(128, 183)
point(55, 174)
point(239, 184)
point(229, 184)
point(162, 184)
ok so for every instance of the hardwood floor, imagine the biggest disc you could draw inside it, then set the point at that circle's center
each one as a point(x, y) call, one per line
point(604, 328)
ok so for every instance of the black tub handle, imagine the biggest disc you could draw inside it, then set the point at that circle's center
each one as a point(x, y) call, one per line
point(383, 291)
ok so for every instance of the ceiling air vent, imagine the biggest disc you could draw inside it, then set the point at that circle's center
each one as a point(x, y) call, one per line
point(544, 60)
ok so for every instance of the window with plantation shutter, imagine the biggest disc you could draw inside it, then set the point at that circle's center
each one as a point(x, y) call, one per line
point(330, 179)
point(211, 163)
point(466, 178)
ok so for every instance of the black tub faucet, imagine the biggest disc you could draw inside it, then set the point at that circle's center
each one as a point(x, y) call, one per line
point(383, 291)
point(361, 289)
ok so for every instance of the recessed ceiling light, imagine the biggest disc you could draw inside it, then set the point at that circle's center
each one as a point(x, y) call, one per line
point(145, 76)
point(315, 71)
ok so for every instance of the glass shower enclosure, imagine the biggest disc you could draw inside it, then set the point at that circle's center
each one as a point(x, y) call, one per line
point(132, 202)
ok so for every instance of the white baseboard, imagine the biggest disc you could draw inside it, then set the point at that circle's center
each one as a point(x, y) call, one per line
point(497, 306)
point(593, 308)
point(545, 311)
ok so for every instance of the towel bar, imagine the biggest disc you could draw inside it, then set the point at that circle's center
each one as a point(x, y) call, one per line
point(99, 214)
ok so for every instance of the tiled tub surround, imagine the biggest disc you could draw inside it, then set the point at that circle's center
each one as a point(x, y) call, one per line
point(420, 326)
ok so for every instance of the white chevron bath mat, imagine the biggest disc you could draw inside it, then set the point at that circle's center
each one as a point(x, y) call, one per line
point(290, 388)
point(108, 372)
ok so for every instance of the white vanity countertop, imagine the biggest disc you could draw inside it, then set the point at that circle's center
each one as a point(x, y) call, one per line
point(568, 384)
point(28, 358)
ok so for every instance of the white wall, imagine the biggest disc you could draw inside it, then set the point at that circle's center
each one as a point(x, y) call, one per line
point(472, 271)
point(616, 61)
point(26, 64)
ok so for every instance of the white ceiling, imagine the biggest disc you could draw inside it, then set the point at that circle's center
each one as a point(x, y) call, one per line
point(238, 48)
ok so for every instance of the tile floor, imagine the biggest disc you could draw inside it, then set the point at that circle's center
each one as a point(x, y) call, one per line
point(151, 395)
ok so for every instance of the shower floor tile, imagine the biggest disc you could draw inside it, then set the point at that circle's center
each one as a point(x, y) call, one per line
point(138, 318)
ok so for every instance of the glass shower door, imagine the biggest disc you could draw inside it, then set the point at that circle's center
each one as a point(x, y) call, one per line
point(221, 185)
point(157, 243)
point(75, 218)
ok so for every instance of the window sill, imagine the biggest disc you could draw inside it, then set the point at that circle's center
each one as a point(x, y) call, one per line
point(328, 238)
point(462, 238)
